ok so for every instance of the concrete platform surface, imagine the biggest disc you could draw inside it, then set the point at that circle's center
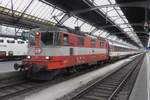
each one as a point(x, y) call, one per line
point(142, 86)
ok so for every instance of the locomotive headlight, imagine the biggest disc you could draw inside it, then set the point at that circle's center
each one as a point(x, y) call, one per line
point(47, 57)
point(28, 57)
point(37, 33)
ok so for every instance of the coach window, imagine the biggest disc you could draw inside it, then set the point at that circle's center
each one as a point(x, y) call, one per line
point(20, 42)
point(80, 41)
point(10, 41)
point(66, 40)
point(1, 40)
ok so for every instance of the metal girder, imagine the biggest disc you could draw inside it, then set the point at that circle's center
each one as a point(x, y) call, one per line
point(139, 32)
point(97, 11)
point(94, 30)
point(119, 14)
point(103, 15)
point(132, 24)
point(143, 37)
point(63, 19)
point(95, 8)
point(24, 11)
point(27, 21)
point(131, 4)
point(140, 37)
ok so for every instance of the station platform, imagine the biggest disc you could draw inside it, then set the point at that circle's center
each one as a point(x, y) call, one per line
point(141, 90)
point(7, 66)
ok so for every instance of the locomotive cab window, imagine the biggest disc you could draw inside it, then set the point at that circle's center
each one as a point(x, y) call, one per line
point(47, 38)
point(50, 38)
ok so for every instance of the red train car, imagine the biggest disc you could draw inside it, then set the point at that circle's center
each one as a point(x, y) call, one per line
point(56, 49)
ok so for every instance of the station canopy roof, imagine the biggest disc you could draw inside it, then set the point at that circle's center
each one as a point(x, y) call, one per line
point(102, 18)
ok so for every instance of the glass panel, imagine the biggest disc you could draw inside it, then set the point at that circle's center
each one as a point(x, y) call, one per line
point(116, 12)
point(72, 22)
point(20, 42)
point(93, 42)
point(66, 39)
point(47, 38)
point(86, 28)
point(50, 38)
point(10, 41)
point(80, 41)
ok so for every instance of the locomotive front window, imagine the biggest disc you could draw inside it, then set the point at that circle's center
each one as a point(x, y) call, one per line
point(30, 36)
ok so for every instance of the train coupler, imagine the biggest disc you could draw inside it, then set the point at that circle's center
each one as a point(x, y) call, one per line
point(20, 67)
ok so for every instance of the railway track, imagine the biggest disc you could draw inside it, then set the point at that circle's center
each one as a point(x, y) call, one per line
point(10, 88)
point(116, 86)
point(16, 87)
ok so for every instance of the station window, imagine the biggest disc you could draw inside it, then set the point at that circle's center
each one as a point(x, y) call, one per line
point(80, 41)
point(20, 42)
point(10, 41)
point(66, 40)
point(1, 40)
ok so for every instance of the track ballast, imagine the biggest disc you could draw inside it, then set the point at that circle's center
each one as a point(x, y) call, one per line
point(116, 86)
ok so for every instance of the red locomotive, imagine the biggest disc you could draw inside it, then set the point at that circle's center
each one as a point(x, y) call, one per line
point(57, 49)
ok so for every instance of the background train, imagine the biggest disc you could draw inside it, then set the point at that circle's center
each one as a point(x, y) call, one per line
point(12, 47)
point(55, 49)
